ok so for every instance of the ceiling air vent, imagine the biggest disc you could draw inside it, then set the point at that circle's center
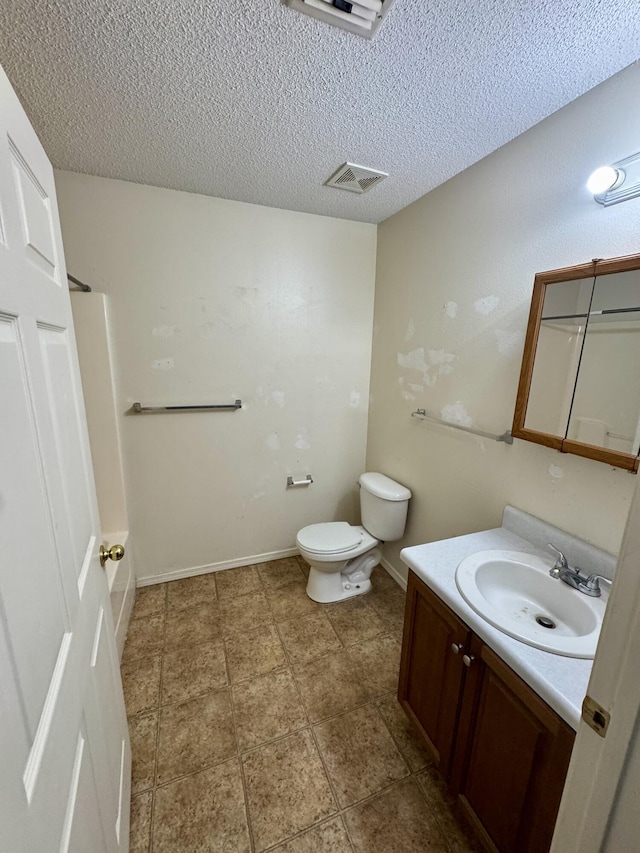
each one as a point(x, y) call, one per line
point(362, 17)
point(356, 179)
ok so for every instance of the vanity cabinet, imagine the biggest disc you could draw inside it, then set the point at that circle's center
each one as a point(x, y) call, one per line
point(502, 749)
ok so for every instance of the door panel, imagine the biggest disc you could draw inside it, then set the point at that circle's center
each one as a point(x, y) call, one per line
point(78, 834)
point(27, 539)
point(35, 217)
point(431, 674)
point(61, 394)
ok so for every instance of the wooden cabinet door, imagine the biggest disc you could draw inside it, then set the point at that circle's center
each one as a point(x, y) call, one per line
point(512, 755)
point(431, 673)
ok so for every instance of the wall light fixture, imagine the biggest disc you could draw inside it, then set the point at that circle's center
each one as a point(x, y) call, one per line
point(617, 182)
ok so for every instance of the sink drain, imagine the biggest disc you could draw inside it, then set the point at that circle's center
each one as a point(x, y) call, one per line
point(545, 622)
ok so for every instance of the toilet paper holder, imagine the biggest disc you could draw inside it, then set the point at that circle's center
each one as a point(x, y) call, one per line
point(306, 482)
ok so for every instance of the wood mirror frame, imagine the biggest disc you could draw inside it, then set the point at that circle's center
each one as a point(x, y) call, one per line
point(542, 280)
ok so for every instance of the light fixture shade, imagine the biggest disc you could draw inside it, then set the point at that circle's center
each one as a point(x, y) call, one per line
point(619, 181)
point(602, 179)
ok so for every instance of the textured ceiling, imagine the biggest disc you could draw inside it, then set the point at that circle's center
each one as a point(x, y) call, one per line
point(249, 100)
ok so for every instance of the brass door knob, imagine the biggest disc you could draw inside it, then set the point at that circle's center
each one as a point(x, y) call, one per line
point(116, 552)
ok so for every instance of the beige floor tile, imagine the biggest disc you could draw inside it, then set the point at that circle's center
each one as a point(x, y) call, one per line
point(355, 620)
point(141, 683)
point(377, 663)
point(144, 637)
point(459, 836)
point(198, 624)
point(140, 832)
point(382, 580)
point(204, 813)
point(309, 637)
point(287, 789)
point(193, 670)
point(244, 612)
point(396, 820)
point(254, 653)
point(190, 592)
point(329, 837)
point(149, 600)
point(267, 707)
point(195, 734)
point(240, 581)
point(407, 739)
point(290, 601)
point(143, 732)
point(389, 604)
point(329, 685)
point(280, 573)
point(359, 754)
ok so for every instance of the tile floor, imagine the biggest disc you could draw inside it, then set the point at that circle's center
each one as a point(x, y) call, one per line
point(260, 721)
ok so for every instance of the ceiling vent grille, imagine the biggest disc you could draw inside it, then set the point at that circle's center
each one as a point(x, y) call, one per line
point(362, 17)
point(356, 179)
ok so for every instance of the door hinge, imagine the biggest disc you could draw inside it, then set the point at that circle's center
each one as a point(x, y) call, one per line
point(595, 716)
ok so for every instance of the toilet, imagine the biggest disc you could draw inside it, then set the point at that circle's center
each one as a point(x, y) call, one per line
point(342, 556)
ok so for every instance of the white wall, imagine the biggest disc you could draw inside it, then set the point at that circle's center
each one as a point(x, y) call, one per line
point(213, 300)
point(454, 281)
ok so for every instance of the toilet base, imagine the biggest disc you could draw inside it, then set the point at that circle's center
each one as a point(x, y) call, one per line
point(326, 588)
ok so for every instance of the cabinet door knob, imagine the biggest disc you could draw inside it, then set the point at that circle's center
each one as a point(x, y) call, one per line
point(456, 648)
point(467, 660)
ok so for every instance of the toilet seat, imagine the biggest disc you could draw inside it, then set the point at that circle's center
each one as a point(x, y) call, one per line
point(334, 537)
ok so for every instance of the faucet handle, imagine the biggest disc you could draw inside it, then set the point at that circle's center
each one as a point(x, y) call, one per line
point(592, 584)
point(561, 560)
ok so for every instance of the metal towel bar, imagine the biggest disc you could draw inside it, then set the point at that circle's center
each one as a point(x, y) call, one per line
point(138, 408)
point(506, 436)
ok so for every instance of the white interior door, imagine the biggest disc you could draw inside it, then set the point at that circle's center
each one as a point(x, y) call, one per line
point(599, 809)
point(64, 748)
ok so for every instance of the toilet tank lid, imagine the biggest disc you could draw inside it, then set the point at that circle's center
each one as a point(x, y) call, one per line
point(384, 487)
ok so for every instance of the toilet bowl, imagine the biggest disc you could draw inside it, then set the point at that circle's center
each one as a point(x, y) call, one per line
point(342, 556)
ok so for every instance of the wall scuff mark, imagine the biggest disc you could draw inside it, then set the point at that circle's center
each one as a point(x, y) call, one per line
point(411, 330)
point(486, 304)
point(456, 413)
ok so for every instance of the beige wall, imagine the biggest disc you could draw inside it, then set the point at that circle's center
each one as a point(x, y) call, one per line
point(212, 300)
point(454, 280)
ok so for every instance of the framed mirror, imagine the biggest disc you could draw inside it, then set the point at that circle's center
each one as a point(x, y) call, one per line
point(579, 389)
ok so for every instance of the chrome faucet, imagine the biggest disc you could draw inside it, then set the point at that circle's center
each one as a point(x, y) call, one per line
point(587, 584)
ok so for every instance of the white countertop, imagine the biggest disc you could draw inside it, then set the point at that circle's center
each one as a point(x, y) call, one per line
point(560, 681)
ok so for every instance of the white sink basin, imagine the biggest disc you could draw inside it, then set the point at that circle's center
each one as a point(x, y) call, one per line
point(512, 589)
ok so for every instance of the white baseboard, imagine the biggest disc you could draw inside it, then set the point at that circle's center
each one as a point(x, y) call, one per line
point(395, 574)
point(178, 574)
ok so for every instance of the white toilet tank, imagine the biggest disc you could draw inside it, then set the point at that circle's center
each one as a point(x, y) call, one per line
point(383, 506)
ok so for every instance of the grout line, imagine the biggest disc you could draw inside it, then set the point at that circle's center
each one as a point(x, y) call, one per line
point(275, 847)
point(245, 791)
point(332, 787)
